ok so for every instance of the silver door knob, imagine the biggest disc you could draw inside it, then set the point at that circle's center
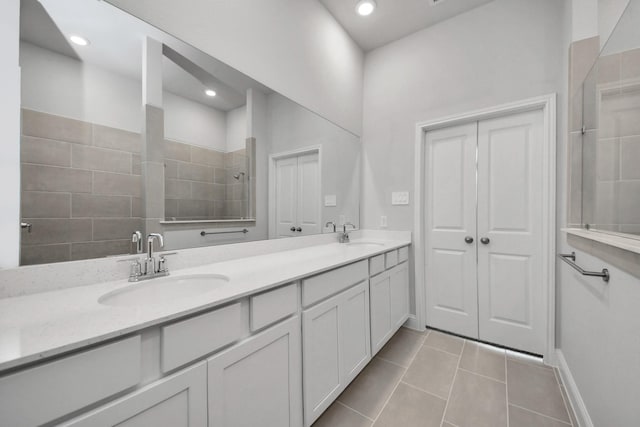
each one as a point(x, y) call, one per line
point(298, 229)
point(485, 240)
point(468, 239)
point(292, 229)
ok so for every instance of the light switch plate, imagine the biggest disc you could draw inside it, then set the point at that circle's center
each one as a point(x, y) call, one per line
point(400, 198)
point(330, 200)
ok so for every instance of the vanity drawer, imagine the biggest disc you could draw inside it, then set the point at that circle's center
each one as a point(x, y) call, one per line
point(403, 254)
point(326, 284)
point(269, 307)
point(376, 265)
point(42, 394)
point(390, 259)
point(185, 341)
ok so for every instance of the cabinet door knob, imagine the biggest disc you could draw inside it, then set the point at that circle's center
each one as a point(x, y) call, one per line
point(298, 229)
point(485, 240)
point(292, 229)
point(468, 239)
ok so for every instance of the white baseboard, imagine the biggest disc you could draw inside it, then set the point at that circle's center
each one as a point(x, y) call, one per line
point(412, 323)
point(575, 399)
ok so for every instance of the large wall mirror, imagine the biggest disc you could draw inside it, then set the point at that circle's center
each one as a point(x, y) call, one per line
point(611, 132)
point(126, 128)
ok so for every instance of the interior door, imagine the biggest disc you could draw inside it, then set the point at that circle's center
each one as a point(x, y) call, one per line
point(308, 206)
point(286, 196)
point(451, 288)
point(510, 288)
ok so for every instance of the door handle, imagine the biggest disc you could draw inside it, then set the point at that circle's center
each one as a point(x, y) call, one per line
point(485, 240)
point(292, 229)
point(468, 239)
point(298, 229)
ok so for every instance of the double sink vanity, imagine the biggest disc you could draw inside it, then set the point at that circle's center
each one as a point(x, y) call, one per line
point(270, 338)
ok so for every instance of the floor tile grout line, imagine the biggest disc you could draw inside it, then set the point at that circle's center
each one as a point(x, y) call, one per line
point(446, 405)
point(398, 383)
point(439, 349)
point(353, 410)
point(392, 362)
point(485, 376)
point(542, 415)
point(531, 364)
point(423, 391)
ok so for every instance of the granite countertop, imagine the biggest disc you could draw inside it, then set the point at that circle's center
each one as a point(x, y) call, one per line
point(46, 324)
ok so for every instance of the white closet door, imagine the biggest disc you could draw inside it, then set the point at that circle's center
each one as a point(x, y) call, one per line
point(286, 196)
point(451, 288)
point(308, 199)
point(512, 311)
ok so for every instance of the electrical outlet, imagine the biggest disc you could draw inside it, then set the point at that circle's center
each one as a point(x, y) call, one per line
point(383, 221)
point(400, 198)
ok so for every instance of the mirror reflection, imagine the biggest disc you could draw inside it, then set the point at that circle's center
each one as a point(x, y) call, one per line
point(126, 128)
point(611, 141)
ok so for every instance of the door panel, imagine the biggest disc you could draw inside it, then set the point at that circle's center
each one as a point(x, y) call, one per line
point(451, 289)
point(286, 195)
point(510, 289)
point(308, 194)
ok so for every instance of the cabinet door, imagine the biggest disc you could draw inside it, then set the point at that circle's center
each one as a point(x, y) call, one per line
point(380, 295)
point(399, 287)
point(258, 382)
point(179, 400)
point(321, 355)
point(336, 347)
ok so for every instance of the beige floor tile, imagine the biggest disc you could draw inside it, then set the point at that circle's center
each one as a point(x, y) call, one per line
point(411, 407)
point(368, 393)
point(338, 415)
point(484, 360)
point(446, 424)
point(477, 402)
point(402, 347)
point(536, 389)
point(448, 343)
point(432, 370)
point(519, 417)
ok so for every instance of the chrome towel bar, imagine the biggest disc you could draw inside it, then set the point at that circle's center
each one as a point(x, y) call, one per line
point(571, 260)
point(204, 233)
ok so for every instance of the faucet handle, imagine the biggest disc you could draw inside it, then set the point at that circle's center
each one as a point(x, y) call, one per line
point(136, 268)
point(162, 262)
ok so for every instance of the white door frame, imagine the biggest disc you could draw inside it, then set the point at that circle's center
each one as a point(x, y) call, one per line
point(312, 149)
point(547, 104)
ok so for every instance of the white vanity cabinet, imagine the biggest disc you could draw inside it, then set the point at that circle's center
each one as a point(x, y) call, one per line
point(389, 300)
point(179, 400)
point(335, 347)
point(258, 382)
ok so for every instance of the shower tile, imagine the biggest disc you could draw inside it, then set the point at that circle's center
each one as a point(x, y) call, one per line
point(194, 172)
point(575, 178)
point(116, 139)
point(53, 230)
point(55, 127)
point(45, 151)
point(136, 207)
point(177, 151)
point(55, 179)
point(629, 155)
point(204, 156)
point(100, 249)
point(100, 159)
point(45, 205)
point(582, 55)
point(219, 192)
point(220, 176)
point(136, 164)
point(117, 184)
point(202, 191)
point(193, 208)
point(115, 228)
point(177, 189)
point(171, 208)
point(41, 254)
point(630, 64)
point(90, 206)
point(609, 68)
point(608, 159)
point(628, 202)
point(171, 169)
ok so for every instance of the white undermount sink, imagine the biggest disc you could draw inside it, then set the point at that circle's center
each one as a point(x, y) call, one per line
point(163, 290)
point(365, 244)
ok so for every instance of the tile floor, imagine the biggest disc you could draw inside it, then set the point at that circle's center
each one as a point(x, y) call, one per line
point(434, 379)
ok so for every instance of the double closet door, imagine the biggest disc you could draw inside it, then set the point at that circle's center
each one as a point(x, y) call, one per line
point(484, 207)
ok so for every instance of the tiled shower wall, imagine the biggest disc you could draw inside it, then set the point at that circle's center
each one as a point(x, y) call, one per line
point(611, 144)
point(199, 183)
point(81, 188)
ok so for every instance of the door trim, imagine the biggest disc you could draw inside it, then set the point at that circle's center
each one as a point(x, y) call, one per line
point(273, 158)
point(547, 104)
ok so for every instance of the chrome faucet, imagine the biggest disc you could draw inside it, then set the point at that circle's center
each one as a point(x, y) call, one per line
point(331, 223)
point(344, 236)
point(150, 262)
point(150, 268)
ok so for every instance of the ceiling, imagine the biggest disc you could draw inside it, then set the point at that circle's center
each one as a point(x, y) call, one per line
point(116, 44)
point(394, 19)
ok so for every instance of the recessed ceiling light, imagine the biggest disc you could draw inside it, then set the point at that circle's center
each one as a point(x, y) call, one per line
point(210, 92)
point(365, 7)
point(80, 41)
